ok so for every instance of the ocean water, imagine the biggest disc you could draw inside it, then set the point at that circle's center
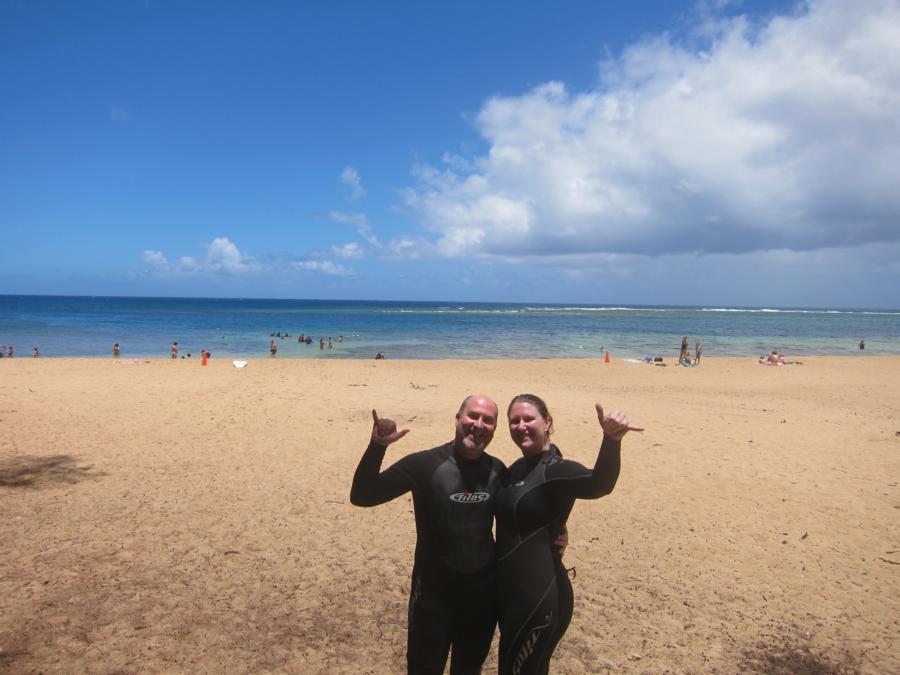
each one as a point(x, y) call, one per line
point(88, 326)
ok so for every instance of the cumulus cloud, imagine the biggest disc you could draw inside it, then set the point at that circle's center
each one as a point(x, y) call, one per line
point(350, 178)
point(155, 259)
point(782, 135)
point(223, 258)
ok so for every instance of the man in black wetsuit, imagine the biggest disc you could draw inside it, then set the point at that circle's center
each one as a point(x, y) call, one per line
point(452, 598)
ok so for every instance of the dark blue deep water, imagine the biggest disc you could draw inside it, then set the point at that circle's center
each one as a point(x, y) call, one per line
point(88, 326)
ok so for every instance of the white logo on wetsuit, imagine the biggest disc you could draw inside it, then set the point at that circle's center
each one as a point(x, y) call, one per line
point(528, 646)
point(470, 497)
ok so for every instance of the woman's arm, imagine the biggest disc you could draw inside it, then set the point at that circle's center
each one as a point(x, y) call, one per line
point(573, 480)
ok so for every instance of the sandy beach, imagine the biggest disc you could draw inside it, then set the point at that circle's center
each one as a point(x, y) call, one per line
point(159, 516)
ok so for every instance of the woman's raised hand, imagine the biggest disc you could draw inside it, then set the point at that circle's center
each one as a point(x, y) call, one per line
point(384, 431)
point(615, 425)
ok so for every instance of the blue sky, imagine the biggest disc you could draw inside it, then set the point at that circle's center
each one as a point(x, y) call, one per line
point(717, 153)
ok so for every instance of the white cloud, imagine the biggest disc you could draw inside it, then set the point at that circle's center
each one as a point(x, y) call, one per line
point(784, 135)
point(360, 222)
point(410, 248)
point(223, 258)
point(188, 263)
point(323, 266)
point(155, 259)
point(350, 178)
point(351, 250)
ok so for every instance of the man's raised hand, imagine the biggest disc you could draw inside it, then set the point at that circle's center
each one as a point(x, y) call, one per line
point(615, 425)
point(384, 431)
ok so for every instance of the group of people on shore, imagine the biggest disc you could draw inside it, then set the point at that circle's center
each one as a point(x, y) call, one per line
point(7, 351)
point(684, 356)
point(463, 582)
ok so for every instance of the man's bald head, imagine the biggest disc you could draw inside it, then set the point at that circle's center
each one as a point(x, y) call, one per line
point(475, 425)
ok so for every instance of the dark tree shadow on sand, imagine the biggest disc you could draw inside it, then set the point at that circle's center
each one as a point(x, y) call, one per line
point(29, 471)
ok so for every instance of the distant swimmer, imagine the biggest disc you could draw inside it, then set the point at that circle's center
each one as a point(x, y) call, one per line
point(273, 348)
point(698, 350)
point(117, 352)
point(330, 345)
point(862, 344)
point(9, 352)
point(35, 353)
point(174, 350)
point(379, 356)
point(321, 344)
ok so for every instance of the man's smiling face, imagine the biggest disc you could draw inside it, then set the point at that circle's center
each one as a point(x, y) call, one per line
point(475, 425)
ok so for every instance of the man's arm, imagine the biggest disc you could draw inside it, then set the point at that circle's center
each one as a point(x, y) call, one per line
point(371, 486)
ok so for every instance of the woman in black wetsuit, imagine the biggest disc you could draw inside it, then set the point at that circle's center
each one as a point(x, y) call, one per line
point(533, 503)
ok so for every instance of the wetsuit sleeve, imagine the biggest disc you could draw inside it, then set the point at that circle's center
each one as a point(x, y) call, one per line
point(371, 486)
point(571, 479)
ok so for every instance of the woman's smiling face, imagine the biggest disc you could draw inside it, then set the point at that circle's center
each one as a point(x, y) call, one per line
point(528, 428)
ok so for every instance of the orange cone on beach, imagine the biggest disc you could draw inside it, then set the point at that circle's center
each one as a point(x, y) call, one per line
point(606, 358)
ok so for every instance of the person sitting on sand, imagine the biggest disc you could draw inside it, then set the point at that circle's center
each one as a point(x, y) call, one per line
point(773, 359)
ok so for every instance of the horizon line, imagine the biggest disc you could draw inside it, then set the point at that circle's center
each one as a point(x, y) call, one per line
point(709, 307)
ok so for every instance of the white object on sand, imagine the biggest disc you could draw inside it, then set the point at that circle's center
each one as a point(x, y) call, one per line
point(239, 364)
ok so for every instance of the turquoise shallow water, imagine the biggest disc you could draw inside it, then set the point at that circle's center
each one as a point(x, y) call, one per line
point(88, 326)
